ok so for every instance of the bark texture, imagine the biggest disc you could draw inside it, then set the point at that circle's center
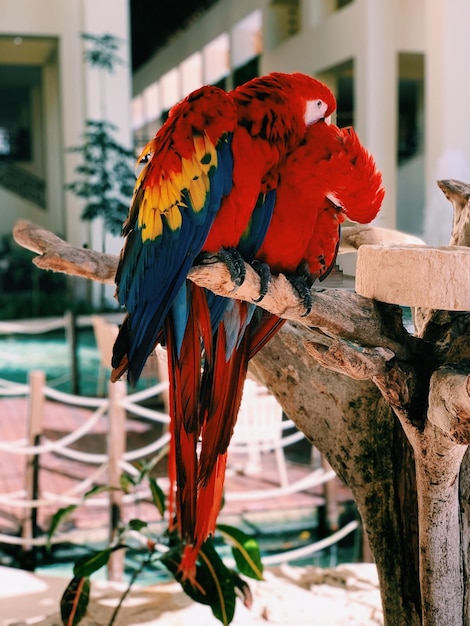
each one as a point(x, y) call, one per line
point(390, 410)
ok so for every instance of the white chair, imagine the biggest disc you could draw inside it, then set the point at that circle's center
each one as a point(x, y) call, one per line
point(259, 429)
point(105, 336)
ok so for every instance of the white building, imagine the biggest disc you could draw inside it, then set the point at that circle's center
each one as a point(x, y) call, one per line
point(46, 94)
point(398, 68)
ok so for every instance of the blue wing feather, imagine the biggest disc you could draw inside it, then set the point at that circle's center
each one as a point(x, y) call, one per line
point(152, 272)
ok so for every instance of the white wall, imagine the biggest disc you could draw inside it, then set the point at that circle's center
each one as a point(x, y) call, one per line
point(70, 96)
point(447, 96)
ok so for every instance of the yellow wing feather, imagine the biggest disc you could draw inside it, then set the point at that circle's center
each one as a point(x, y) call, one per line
point(163, 192)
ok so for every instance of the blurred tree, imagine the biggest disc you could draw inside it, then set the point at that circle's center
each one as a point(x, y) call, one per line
point(105, 177)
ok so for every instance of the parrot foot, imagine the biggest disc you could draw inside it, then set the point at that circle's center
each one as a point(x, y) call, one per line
point(302, 287)
point(264, 272)
point(232, 259)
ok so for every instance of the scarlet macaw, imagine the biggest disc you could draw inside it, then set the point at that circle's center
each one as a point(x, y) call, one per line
point(207, 166)
point(326, 179)
point(216, 171)
point(329, 177)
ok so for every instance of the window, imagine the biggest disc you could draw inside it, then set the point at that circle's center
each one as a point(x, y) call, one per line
point(246, 72)
point(410, 106)
point(216, 56)
point(247, 39)
point(15, 113)
point(284, 20)
point(5, 145)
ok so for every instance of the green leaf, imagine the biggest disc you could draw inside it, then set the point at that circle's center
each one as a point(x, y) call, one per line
point(212, 572)
point(74, 601)
point(95, 490)
point(126, 482)
point(245, 550)
point(137, 524)
point(158, 496)
point(57, 518)
point(214, 584)
point(90, 563)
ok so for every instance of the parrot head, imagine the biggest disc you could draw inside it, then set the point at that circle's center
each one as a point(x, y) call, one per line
point(319, 100)
point(280, 107)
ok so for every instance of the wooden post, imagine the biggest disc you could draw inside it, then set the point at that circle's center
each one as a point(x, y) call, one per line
point(331, 498)
point(116, 449)
point(71, 336)
point(37, 381)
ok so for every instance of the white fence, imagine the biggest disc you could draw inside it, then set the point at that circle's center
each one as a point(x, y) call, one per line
point(109, 466)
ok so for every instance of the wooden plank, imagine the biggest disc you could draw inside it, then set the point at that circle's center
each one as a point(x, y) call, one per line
point(37, 381)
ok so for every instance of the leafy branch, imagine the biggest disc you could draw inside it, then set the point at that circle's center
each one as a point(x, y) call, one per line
point(215, 584)
point(105, 176)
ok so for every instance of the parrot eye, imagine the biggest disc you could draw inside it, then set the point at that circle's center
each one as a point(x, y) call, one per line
point(314, 111)
point(142, 163)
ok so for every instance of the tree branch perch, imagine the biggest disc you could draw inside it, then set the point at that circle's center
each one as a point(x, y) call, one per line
point(336, 312)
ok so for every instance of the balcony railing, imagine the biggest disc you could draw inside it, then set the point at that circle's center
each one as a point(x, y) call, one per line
point(23, 183)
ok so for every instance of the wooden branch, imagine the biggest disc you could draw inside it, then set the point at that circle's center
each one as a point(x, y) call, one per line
point(438, 461)
point(458, 194)
point(346, 357)
point(336, 312)
point(449, 403)
point(58, 256)
point(343, 332)
point(352, 237)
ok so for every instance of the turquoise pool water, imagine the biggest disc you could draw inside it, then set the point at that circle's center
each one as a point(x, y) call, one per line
point(50, 352)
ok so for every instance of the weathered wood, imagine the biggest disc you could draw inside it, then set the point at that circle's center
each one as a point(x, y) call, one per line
point(438, 462)
point(351, 424)
point(458, 194)
point(35, 419)
point(449, 404)
point(352, 237)
point(116, 446)
point(355, 361)
point(336, 312)
point(58, 256)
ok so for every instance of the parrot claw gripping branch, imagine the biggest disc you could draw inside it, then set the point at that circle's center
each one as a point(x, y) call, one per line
point(253, 175)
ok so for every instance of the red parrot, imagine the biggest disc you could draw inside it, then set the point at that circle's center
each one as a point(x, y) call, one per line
point(222, 176)
point(327, 179)
point(211, 167)
point(216, 154)
point(346, 170)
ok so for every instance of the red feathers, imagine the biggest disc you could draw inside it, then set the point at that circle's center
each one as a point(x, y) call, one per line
point(256, 169)
point(327, 179)
point(273, 115)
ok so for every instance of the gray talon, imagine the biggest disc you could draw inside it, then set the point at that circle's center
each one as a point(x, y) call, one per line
point(232, 260)
point(264, 272)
